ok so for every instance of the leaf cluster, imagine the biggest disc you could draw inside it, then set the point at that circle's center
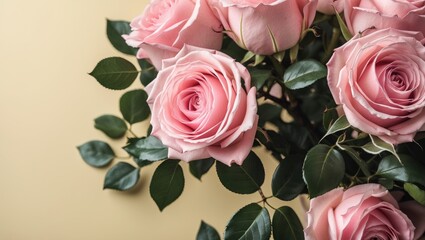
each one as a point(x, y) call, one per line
point(316, 149)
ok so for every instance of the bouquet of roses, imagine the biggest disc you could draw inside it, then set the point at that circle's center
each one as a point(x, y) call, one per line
point(333, 89)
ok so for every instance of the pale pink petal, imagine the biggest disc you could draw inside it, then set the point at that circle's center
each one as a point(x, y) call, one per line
point(158, 52)
point(202, 16)
point(317, 223)
point(237, 151)
point(250, 119)
point(188, 156)
point(416, 213)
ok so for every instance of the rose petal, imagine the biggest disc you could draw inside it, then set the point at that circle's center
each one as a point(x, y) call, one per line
point(416, 213)
point(228, 155)
point(317, 223)
point(200, 107)
point(188, 156)
point(249, 119)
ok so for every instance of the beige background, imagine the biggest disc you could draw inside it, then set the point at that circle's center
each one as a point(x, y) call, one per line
point(47, 105)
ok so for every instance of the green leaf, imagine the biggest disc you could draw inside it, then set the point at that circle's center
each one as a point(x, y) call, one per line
point(167, 183)
point(297, 135)
point(416, 149)
point(356, 157)
point(293, 52)
point(273, 142)
point(148, 148)
point(313, 105)
point(148, 73)
point(323, 169)
point(142, 163)
point(248, 56)
point(287, 181)
point(244, 179)
point(133, 106)
point(279, 56)
point(200, 167)
point(122, 176)
point(149, 130)
point(96, 153)
point(259, 76)
point(115, 73)
point(406, 170)
point(378, 145)
point(252, 222)
point(340, 124)
point(344, 29)
point(232, 49)
point(114, 31)
point(303, 73)
point(268, 112)
point(415, 192)
point(112, 126)
point(207, 232)
point(287, 225)
point(258, 59)
point(329, 116)
point(372, 148)
point(387, 183)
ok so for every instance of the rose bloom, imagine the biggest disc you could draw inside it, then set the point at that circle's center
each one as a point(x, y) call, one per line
point(166, 25)
point(203, 106)
point(379, 79)
point(400, 14)
point(414, 211)
point(365, 211)
point(267, 26)
point(329, 6)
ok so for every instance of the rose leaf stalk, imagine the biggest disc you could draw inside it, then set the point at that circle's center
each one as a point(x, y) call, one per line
point(131, 132)
point(264, 199)
point(336, 34)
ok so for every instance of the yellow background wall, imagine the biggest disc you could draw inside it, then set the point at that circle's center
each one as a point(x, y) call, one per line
point(47, 107)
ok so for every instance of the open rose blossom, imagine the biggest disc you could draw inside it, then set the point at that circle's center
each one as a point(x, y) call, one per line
point(415, 211)
point(400, 14)
point(166, 25)
point(267, 26)
point(365, 211)
point(203, 106)
point(379, 79)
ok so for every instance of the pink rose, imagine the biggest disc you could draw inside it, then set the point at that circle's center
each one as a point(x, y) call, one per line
point(267, 26)
point(379, 79)
point(329, 6)
point(203, 105)
point(166, 25)
point(365, 211)
point(414, 211)
point(401, 14)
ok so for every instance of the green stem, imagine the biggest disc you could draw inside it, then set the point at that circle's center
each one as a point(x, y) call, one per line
point(131, 131)
point(263, 197)
point(123, 158)
point(268, 204)
point(277, 67)
point(336, 33)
